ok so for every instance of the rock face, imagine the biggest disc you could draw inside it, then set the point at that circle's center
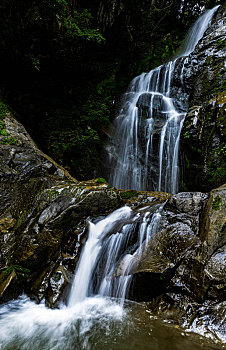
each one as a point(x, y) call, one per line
point(43, 212)
point(203, 133)
point(182, 272)
point(43, 223)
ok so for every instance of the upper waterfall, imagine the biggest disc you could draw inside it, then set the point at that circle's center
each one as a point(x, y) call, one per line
point(146, 144)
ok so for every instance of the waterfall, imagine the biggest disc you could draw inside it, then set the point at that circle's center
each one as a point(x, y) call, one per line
point(106, 251)
point(115, 244)
point(103, 271)
point(146, 144)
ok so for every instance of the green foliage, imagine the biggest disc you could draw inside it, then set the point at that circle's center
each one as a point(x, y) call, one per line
point(76, 25)
point(20, 271)
point(187, 135)
point(101, 180)
point(221, 43)
point(21, 218)
point(217, 202)
point(128, 194)
point(6, 139)
point(221, 151)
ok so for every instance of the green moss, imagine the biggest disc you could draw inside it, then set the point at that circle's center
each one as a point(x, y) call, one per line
point(4, 109)
point(217, 202)
point(50, 195)
point(56, 276)
point(208, 59)
point(21, 218)
point(187, 162)
point(101, 180)
point(6, 139)
point(128, 194)
point(187, 135)
point(9, 141)
point(5, 274)
point(221, 43)
point(19, 270)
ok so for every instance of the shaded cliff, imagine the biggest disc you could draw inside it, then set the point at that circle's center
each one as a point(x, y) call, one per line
point(203, 133)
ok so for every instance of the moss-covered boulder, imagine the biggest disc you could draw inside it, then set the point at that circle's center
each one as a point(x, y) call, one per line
point(43, 212)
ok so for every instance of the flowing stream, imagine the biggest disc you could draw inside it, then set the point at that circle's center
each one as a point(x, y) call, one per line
point(96, 315)
point(145, 155)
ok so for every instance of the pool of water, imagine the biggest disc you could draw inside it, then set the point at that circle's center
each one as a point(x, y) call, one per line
point(96, 323)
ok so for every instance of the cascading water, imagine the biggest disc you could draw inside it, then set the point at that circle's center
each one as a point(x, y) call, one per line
point(92, 318)
point(146, 151)
point(109, 242)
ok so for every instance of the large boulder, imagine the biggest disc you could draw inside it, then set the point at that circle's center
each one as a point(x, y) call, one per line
point(181, 272)
point(43, 213)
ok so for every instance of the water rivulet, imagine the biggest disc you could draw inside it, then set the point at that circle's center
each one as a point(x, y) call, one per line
point(145, 155)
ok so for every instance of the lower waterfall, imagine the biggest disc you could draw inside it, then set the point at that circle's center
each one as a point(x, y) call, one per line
point(95, 317)
point(92, 303)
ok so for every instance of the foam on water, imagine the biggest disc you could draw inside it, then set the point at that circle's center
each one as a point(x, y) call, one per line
point(27, 325)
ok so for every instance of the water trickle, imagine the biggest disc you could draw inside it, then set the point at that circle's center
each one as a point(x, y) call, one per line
point(147, 140)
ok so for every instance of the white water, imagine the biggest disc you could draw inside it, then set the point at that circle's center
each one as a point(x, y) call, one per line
point(96, 321)
point(97, 233)
point(197, 31)
point(113, 247)
point(147, 140)
point(26, 325)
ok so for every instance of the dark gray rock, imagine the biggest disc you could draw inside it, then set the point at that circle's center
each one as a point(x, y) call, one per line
point(203, 133)
point(43, 213)
point(182, 270)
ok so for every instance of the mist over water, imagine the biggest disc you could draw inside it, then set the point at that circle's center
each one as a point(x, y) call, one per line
point(95, 324)
point(97, 315)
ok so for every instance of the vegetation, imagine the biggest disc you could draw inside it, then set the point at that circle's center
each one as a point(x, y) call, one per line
point(101, 180)
point(20, 271)
point(65, 63)
point(128, 194)
point(5, 138)
point(217, 202)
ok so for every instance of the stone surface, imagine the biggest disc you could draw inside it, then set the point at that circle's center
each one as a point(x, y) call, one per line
point(203, 134)
point(43, 213)
point(182, 270)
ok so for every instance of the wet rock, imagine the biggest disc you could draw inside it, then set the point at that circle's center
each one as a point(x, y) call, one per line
point(43, 213)
point(210, 320)
point(141, 199)
point(146, 100)
point(181, 272)
point(203, 133)
point(213, 228)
